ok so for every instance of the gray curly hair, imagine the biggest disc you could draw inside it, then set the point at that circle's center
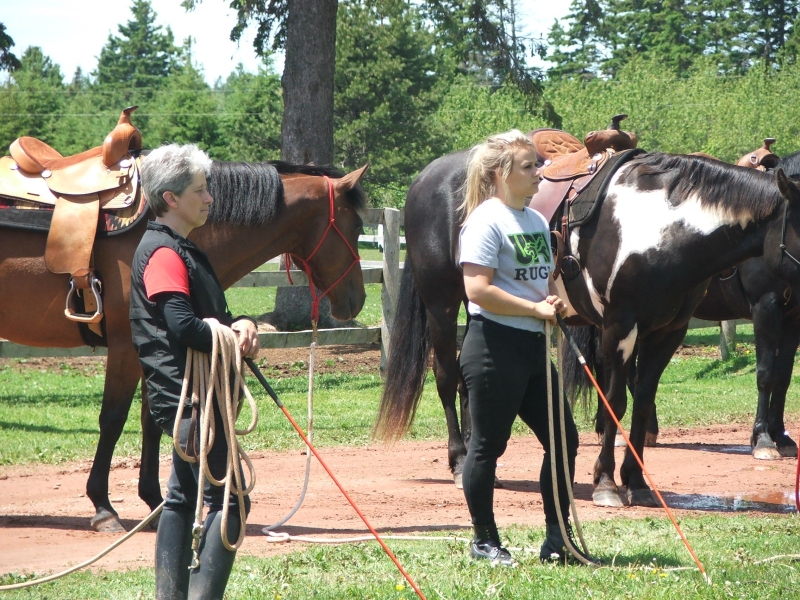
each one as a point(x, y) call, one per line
point(171, 168)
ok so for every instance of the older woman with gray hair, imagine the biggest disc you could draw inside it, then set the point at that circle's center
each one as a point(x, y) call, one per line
point(173, 288)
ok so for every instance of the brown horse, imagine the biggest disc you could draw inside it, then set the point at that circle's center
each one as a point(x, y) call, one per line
point(254, 217)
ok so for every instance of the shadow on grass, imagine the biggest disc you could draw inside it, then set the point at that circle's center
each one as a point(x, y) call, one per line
point(725, 367)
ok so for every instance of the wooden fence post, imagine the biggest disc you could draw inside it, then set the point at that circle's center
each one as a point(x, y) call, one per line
point(727, 339)
point(391, 278)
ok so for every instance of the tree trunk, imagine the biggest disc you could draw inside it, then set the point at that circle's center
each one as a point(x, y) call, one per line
point(307, 126)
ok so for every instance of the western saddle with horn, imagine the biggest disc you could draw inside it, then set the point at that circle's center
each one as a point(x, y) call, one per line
point(75, 188)
point(568, 166)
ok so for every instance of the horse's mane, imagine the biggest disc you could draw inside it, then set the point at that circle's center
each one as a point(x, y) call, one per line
point(791, 165)
point(252, 193)
point(740, 192)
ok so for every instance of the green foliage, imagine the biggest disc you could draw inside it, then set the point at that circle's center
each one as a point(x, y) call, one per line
point(386, 88)
point(142, 56)
point(8, 60)
point(603, 36)
point(33, 97)
point(250, 122)
point(725, 116)
point(470, 112)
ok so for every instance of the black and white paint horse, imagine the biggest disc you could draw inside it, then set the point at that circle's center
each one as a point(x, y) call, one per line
point(752, 293)
point(667, 225)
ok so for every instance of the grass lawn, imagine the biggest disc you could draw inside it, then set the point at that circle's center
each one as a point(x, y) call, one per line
point(52, 417)
point(645, 561)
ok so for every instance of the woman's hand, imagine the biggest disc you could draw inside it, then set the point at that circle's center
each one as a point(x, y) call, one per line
point(247, 336)
point(548, 308)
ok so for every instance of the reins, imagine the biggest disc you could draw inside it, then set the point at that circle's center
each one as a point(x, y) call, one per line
point(782, 246)
point(306, 262)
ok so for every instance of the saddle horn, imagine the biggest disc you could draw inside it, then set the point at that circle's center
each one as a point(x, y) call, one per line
point(122, 140)
point(615, 121)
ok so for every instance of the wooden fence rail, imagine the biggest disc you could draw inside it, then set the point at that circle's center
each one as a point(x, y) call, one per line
point(388, 275)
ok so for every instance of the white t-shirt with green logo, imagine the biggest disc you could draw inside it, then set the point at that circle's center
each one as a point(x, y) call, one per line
point(516, 244)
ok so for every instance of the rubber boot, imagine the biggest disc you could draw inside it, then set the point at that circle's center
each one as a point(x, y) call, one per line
point(173, 554)
point(486, 545)
point(209, 580)
point(555, 549)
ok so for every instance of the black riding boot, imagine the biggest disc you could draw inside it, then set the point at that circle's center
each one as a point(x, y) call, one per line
point(208, 581)
point(555, 549)
point(173, 554)
point(486, 545)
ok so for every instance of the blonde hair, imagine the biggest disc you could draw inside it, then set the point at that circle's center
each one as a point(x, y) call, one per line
point(486, 159)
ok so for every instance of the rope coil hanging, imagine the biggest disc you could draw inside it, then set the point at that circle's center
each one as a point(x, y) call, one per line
point(217, 376)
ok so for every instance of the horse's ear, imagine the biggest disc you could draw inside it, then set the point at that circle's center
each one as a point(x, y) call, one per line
point(349, 181)
point(787, 187)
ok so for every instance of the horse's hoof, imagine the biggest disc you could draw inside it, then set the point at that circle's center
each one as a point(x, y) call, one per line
point(650, 439)
point(642, 497)
point(786, 446)
point(765, 449)
point(106, 522)
point(154, 523)
point(458, 480)
point(766, 453)
point(619, 441)
point(607, 497)
point(498, 485)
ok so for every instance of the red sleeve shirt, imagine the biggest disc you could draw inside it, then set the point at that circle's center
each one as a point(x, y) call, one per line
point(165, 272)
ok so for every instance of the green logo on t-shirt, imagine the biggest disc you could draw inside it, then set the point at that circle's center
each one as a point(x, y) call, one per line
point(531, 247)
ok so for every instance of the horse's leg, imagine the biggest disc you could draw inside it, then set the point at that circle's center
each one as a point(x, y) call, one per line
point(654, 356)
point(149, 487)
point(122, 375)
point(784, 363)
point(616, 365)
point(651, 436)
point(767, 324)
point(442, 323)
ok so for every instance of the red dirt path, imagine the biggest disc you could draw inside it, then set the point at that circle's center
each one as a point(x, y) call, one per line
point(407, 489)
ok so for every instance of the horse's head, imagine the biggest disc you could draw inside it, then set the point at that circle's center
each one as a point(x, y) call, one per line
point(782, 242)
point(330, 250)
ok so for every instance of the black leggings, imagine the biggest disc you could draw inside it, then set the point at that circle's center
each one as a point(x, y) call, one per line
point(504, 369)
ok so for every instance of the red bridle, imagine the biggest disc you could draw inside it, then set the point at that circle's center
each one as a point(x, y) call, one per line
point(305, 262)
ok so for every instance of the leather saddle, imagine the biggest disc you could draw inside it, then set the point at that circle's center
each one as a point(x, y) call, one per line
point(75, 188)
point(762, 158)
point(568, 166)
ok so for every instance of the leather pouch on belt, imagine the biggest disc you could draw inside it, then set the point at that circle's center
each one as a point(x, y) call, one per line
point(71, 237)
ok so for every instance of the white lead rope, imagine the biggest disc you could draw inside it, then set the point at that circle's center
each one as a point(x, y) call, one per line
point(554, 471)
point(212, 382)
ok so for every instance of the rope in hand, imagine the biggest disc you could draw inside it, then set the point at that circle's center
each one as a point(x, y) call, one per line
point(633, 451)
point(212, 381)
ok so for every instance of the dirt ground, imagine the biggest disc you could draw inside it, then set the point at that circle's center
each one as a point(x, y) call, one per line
point(406, 489)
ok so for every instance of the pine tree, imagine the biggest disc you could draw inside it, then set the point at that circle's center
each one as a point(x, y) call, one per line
point(8, 61)
point(142, 57)
point(578, 50)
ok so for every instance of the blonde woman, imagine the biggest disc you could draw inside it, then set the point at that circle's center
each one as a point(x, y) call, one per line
point(507, 263)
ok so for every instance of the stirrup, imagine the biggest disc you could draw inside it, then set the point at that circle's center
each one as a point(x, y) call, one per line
point(96, 287)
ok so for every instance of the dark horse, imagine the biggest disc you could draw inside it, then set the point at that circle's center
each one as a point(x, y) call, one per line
point(667, 225)
point(752, 292)
point(256, 215)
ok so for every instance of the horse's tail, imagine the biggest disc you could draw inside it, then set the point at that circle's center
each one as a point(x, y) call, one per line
point(409, 355)
point(577, 385)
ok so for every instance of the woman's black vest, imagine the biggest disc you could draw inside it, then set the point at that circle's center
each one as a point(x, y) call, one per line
point(162, 356)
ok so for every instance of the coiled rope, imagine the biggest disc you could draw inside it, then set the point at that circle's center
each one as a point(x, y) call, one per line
point(211, 380)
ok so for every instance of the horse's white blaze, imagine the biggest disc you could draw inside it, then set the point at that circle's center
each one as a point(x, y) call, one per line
point(627, 343)
point(645, 217)
point(595, 296)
